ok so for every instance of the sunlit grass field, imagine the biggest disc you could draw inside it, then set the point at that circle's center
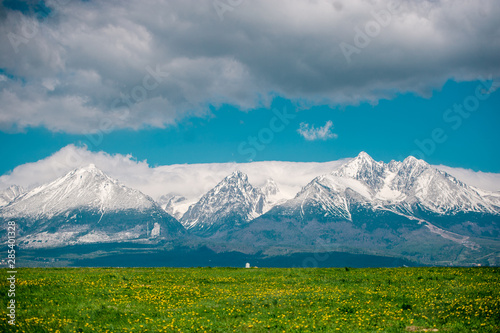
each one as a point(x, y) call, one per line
point(254, 300)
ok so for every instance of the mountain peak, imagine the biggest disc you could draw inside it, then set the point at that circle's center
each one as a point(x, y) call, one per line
point(88, 173)
point(237, 174)
point(364, 156)
point(86, 187)
point(270, 188)
point(270, 182)
point(363, 168)
point(91, 168)
point(357, 165)
point(412, 160)
point(233, 201)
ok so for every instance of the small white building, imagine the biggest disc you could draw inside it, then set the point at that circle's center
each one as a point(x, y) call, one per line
point(247, 265)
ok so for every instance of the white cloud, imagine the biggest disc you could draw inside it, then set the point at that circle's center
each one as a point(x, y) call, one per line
point(70, 69)
point(194, 180)
point(483, 180)
point(310, 133)
point(189, 180)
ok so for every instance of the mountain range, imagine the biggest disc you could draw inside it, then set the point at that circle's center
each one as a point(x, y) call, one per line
point(406, 209)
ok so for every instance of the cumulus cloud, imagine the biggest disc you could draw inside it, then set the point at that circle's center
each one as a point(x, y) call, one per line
point(136, 64)
point(310, 133)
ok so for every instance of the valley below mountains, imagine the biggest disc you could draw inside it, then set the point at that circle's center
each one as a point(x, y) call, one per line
point(361, 213)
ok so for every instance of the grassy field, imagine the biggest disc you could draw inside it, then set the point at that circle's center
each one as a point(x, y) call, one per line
point(254, 300)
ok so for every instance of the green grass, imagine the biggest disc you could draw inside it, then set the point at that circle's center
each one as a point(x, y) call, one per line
point(254, 300)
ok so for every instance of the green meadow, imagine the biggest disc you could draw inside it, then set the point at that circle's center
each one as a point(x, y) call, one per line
point(254, 300)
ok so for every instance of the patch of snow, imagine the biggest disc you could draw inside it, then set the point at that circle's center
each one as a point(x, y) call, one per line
point(387, 192)
point(46, 239)
point(155, 232)
point(10, 194)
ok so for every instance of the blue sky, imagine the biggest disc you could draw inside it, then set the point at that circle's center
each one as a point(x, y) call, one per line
point(184, 85)
point(386, 131)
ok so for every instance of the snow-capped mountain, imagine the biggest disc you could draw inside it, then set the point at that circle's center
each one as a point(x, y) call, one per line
point(362, 187)
point(232, 202)
point(270, 188)
point(272, 194)
point(406, 207)
point(409, 187)
point(401, 208)
point(9, 194)
point(87, 206)
point(173, 204)
point(87, 187)
point(364, 169)
point(437, 191)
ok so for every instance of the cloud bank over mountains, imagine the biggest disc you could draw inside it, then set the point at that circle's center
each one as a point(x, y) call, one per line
point(194, 180)
point(189, 180)
point(85, 66)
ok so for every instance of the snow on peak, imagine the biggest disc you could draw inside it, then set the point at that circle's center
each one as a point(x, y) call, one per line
point(411, 159)
point(90, 168)
point(415, 162)
point(83, 188)
point(272, 195)
point(411, 183)
point(364, 156)
point(233, 198)
point(9, 194)
point(360, 163)
point(270, 188)
point(363, 168)
point(174, 204)
point(237, 175)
